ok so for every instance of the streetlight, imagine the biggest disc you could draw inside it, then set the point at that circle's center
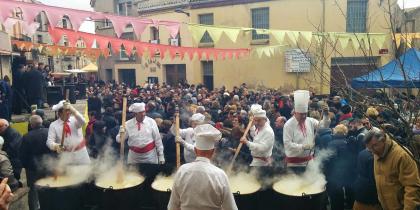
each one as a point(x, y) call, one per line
point(179, 10)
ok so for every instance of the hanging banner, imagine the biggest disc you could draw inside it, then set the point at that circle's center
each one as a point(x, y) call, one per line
point(152, 49)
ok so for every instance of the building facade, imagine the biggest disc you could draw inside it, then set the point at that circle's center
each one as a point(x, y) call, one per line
point(352, 16)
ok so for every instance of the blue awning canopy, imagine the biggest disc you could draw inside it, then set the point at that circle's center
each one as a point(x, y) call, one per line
point(391, 75)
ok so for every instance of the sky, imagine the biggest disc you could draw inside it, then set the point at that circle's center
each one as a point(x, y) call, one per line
point(89, 26)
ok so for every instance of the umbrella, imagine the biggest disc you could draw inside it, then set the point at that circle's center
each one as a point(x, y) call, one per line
point(75, 71)
point(90, 68)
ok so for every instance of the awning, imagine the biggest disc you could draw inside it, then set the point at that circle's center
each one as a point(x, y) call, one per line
point(74, 71)
point(90, 68)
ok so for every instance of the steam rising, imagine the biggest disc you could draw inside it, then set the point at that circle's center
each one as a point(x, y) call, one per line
point(311, 182)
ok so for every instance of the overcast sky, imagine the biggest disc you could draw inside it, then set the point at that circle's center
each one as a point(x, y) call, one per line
point(89, 26)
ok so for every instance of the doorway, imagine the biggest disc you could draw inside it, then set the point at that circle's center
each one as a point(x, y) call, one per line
point(175, 73)
point(127, 76)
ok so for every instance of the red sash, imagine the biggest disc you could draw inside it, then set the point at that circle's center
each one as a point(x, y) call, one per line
point(297, 160)
point(80, 146)
point(144, 149)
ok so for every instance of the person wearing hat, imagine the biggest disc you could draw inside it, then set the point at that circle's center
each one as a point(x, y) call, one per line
point(187, 139)
point(263, 138)
point(299, 133)
point(74, 145)
point(144, 141)
point(200, 184)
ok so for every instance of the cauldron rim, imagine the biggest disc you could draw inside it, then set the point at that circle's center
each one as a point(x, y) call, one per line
point(238, 192)
point(61, 187)
point(303, 194)
point(168, 190)
point(120, 189)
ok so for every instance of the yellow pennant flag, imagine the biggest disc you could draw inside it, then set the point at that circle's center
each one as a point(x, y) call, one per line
point(197, 32)
point(307, 35)
point(215, 33)
point(278, 35)
point(293, 36)
point(232, 33)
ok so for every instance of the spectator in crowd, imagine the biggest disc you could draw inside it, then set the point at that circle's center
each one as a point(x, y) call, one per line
point(365, 194)
point(34, 86)
point(339, 168)
point(12, 142)
point(396, 173)
point(18, 89)
point(6, 169)
point(33, 152)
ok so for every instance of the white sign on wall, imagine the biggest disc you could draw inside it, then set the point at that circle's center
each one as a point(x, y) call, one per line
point(297, 61)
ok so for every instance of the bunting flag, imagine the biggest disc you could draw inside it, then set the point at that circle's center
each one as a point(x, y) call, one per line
point(357, 39)
point(129, 45)
point(406, 38)
point(77, 17)
point(57, 50)
point(278, 35)
point(268, 51)
point(215, 32)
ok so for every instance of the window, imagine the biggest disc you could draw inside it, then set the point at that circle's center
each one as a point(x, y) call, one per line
point(107, 23)
point(122, 9)
point(208, 74)
point(356, 16)
point(154, 34)
point(206, 19)
point(260, 19)
point(129, 8)
point(65, 41)
point(123, 54)
point(39, 39)
point(64, 23)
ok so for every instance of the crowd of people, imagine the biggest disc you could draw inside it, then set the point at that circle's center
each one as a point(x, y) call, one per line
point(368, 169)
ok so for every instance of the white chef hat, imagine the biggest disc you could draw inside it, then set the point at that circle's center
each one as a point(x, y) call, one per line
point(58, 106)
point(255, 107)
point(137, 107)
point(260, 113)
point(198, 117)
point(301, 99)
point(206, 136)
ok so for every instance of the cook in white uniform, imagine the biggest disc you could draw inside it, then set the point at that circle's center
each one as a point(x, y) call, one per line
point(200, 184)
point(187, 136)
point(263, 138)
point(73, 150)
point(299, 133)
point(144, 141)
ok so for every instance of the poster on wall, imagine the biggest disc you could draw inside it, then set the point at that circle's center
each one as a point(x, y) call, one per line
point(297, 61)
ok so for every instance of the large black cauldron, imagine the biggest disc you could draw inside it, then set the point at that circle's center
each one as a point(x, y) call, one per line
point(305, 201)
point(119, 199)
point(62, 198)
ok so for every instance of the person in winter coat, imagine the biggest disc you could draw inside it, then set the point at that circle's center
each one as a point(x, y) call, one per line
point(12, 142)
point(365, 194)
point(6, 169)
point(339, 168)
point(396, 173)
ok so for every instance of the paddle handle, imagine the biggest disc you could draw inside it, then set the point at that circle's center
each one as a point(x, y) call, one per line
point(178, 147)
point(122, 134)
point(66, 96)
point(240, 144)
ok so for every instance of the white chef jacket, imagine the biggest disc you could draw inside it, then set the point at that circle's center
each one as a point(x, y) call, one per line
point(148, 133)
point(201, 186)
point(75, 138)
point(294, 139)
point(188, 136)
point(262, 144)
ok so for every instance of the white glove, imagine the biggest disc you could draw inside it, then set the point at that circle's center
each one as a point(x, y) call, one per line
point(161, 159)
point(122, 129)
point(179, 140)
point(308, 146)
